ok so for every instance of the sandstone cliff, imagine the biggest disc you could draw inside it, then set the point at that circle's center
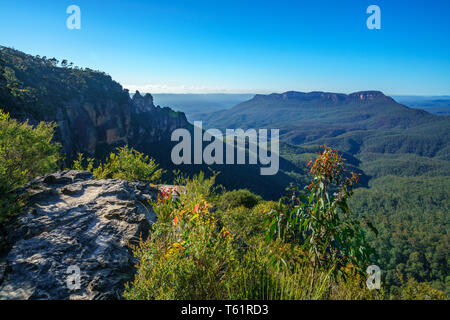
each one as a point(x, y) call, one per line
point(95, 128)
point(93, 112)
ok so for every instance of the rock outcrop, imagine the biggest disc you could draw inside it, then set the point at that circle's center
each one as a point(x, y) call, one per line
point(74, 221)
point(97, 127)
point(94, 114)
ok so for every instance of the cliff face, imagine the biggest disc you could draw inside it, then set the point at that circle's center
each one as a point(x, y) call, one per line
point(93, 113)
point(95, 128)
point(150, 123)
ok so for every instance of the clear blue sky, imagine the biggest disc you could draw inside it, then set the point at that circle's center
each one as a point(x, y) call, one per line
point(244, 46)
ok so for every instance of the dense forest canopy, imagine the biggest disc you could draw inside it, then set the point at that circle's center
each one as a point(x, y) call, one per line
point(35, 86)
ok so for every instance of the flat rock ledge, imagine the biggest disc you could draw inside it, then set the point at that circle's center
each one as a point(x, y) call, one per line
point(73, 222)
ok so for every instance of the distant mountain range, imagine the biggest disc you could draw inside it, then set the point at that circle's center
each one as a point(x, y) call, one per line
point(365, 121)
point(193, 104)
point(439, 105)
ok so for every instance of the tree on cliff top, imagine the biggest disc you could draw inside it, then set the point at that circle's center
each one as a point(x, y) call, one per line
point(25, 152)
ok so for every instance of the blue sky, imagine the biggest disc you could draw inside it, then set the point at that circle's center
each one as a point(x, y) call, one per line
point(243, 46)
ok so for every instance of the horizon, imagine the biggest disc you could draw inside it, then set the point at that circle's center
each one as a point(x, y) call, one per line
point(132, 92)
point(134, 89)
point(170, 47)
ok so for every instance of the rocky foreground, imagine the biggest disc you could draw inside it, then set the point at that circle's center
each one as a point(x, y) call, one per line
point(74, 222)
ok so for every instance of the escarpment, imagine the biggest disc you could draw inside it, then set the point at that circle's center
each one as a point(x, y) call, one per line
point(93, 112)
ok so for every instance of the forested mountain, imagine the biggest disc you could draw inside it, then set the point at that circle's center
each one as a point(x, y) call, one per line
point(94, 113)
point(368, 120)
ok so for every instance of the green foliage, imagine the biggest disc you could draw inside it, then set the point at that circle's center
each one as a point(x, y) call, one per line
point(414, 290)
point(407, 201)
point(200, 250)
point(82, 164)
point(127, 164)
point(35, 85)
point(187, 255)
point(411, 215)
point(248, 224)
point(321, 222)
point(237, 198)
point(25, 152)
point(277, 272)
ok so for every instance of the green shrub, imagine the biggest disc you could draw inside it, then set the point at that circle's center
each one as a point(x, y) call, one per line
point(125, 163)
point(187, 255)
point(321, 221)
point(237, 198)
point(25, 152)
point(277, 272)
point(247, 224)
point(83, 164)
point(201, 249)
